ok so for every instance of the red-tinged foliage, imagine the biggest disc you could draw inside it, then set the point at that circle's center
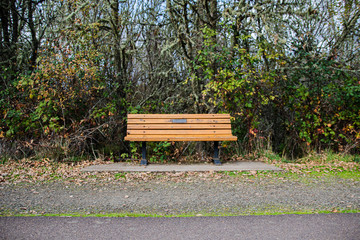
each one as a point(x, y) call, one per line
point(61, 99)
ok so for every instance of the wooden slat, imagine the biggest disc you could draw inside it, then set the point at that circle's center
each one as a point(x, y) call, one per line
point(178, 132)
point(178, 116)
point(178, 126)
point(155, 121)
point(179, 138)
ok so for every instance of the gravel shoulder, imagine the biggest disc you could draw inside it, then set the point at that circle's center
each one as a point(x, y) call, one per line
point(197, 196)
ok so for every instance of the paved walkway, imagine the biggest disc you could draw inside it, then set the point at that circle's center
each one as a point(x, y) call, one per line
point(203, 167)
point(321, 226)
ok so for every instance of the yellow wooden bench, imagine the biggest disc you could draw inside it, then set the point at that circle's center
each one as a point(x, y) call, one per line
point(179, 127)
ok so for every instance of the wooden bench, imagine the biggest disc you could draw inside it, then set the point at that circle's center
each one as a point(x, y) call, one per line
point(179, 127)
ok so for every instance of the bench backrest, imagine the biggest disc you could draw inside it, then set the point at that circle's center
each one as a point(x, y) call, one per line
point(179, 127)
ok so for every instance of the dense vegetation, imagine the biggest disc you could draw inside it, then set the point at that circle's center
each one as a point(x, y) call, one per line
point(71, 70)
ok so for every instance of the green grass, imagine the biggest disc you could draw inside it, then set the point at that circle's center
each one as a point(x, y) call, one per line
point(273, 156)
point(307, 173)
point(120, 175)
point(326, 156)
point(349, 175)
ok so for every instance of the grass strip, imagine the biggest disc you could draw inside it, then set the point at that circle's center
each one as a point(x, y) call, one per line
point(267, 213)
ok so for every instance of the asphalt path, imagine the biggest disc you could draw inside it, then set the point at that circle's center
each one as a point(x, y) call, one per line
point(317, 226)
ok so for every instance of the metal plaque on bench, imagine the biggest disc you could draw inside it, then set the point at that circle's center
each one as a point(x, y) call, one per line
point(178, 120)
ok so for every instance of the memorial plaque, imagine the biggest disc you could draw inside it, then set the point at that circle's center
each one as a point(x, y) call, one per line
point(178, 120)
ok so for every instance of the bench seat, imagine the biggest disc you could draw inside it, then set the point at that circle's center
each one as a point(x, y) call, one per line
point(179, 127)
point(180, 138)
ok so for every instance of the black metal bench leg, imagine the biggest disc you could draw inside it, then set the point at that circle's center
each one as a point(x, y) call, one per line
point(216, 153)
point(143, 160)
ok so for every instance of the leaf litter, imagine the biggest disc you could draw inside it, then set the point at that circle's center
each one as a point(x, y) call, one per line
point(34, 171)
